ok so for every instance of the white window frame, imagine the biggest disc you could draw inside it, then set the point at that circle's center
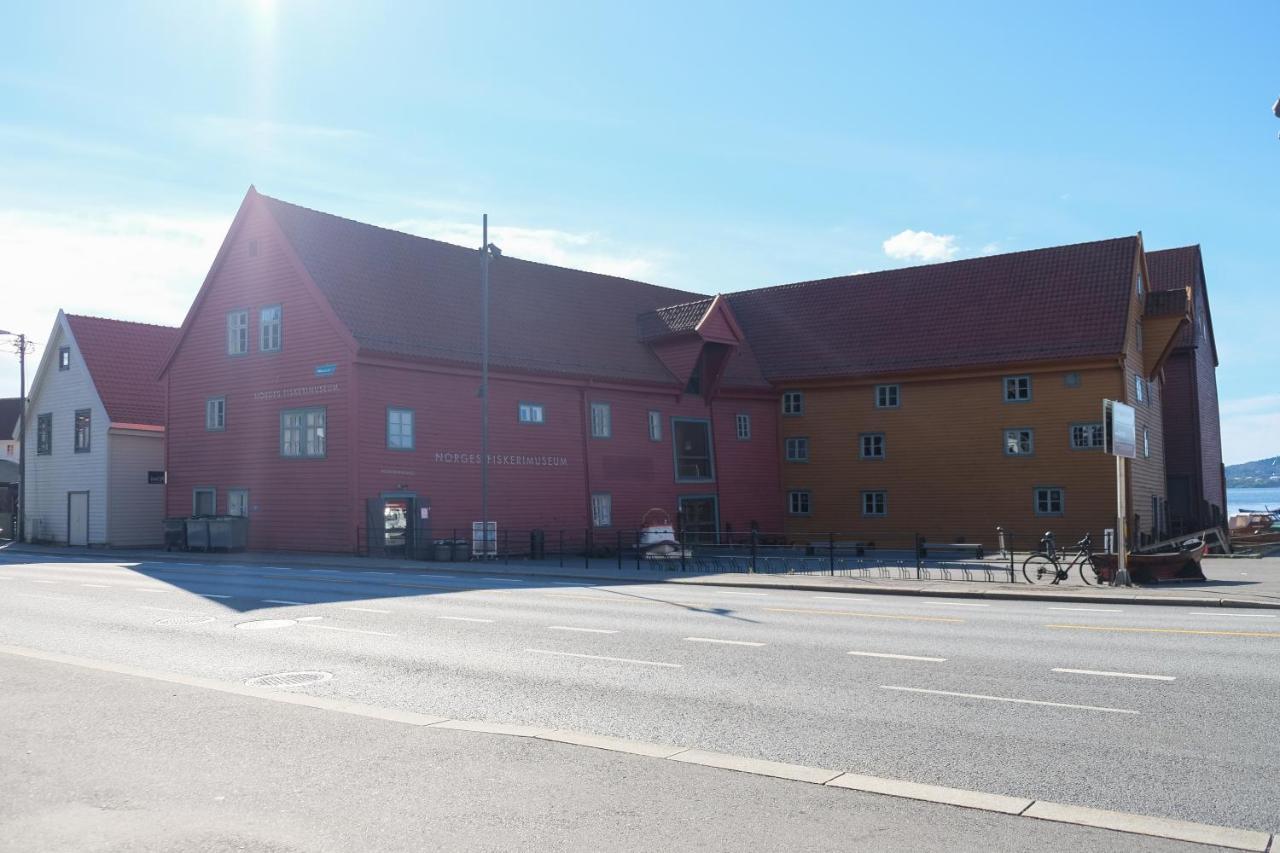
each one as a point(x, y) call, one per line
point(1146, 443)
point(215, 414)
point(1140, 389)
point(799, 502)
point(796, 448)
point(79, 446)
point(868, 445)
point(601, 509)
point(869, 500)
point(531, 413)
point(885, 392)
point(312, 429)
point(742, 422)
point(238, 332)
point(1139, 284)
point(64, 358)
point(655, 425)
point(1094, 430)
point(792, 403)
point(601, 420)
point(1049, 500)
point(271, 329)
point(1013, 443)
point(400, 428)
point(1016, 384)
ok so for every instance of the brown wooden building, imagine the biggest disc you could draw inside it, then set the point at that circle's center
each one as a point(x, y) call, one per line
point(949, 399)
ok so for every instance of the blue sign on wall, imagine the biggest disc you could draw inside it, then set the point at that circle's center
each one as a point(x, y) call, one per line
point(326, 369)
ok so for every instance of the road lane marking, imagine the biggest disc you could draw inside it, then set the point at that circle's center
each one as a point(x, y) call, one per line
point(569, 583)
point(840, 598)
point(602, 657)
point(1090, 609)
point(722, 642)
point(97, 585)
point(463, 619)
point(862, 615)
point(502, 580)
point(445, 577)
point(1216, 613)
point(896, 657)
point(150, 589)
point(953, 604)
point(387, 573)
point(309, 618)
point(325, 571)
point(212, 595)
point(169, 610)
point(1115, 674)
point(582, 630)
point(1008, 699)
point(345, 630)
point(279, 601)
point(52, 583)
point(366, 609)
point(758, 594)
point(1203, 633)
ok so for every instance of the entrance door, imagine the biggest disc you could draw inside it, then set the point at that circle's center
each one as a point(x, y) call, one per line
point(78, 518)
point(699, 520)
point(397, 525)
point(238, 502)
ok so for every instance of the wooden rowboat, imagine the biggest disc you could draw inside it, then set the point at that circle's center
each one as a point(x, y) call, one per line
point(1181, 565)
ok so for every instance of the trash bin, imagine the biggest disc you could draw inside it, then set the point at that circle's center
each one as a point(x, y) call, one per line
point(537, 544)
point(197, 534)
point(175, 534)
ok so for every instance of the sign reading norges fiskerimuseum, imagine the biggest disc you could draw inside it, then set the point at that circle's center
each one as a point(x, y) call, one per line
point(458, 457)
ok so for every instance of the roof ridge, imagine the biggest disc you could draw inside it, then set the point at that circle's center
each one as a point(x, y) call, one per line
point(114, 320)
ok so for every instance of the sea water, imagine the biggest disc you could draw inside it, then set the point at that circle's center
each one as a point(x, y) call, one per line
point(1238, 499)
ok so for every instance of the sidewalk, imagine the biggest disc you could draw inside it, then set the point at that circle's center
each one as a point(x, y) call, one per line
point(1253, 583)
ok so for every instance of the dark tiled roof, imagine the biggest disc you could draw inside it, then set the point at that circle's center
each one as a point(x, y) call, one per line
point(9, 410)
point(672, 319)
point(1064, 302)
point(416, 297)
point(123, 358)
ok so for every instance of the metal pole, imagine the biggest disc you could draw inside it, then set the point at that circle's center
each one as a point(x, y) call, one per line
point(619, 549)
point(1122, 571)
point(484, 384)
point(831, 553)
point(22, 445)
point(919, 556)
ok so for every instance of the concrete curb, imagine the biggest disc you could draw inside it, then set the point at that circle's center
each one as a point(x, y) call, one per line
point(746, 582)
point(1133, 824)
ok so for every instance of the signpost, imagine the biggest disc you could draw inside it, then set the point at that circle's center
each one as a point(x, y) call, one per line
point(1121, 442)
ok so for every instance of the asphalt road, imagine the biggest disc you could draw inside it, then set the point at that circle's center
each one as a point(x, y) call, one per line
point(1164, 711)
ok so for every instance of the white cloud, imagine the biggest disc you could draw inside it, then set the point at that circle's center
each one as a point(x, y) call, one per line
point(1250, 428)
point(990, 249)
point(921, 246)
point(584, 251)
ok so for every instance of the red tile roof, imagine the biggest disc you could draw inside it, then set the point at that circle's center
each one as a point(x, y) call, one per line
point(1065, 302)
point(123, 358)
point(417, 297)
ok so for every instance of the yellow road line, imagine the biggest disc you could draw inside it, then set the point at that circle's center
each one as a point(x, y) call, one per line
point(862, 615)
point(1170, 631)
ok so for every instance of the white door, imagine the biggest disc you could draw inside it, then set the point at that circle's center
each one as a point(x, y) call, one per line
point(78, 518)
point(238, 502)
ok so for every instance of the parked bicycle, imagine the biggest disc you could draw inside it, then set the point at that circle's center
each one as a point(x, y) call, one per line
point(1047, 563)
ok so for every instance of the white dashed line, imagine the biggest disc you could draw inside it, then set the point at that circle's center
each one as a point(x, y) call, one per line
point(569, 583)
point(169, 610)
point(721, 642)
point(347, 630)
point(366, 609)
point(212, 595)
point(463, 619)
point(1090, 609)
point(148, 589)
point(1008, 699)
point(382, 573)
point(728, 592)
point(279, 601)
point(602, 657)
point(97, 585)
point(581, 630)
point(953, 604)
point(503, 580)
point(896, 657)
point(1215, 613)
point(1115, 674)
point(438, 577)
point(326, 571)
point(839, 598)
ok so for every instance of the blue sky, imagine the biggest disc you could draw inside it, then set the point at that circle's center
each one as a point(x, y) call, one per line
point(708, 146)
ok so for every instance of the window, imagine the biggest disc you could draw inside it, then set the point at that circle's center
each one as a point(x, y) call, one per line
point(873, 445)
point(601, 423)
point(692, 440)
point(1139, 284)
point(1071, 380)
point(215, 413)
point(1018, 442)
point(44, 435)
point(530, 413)
point(655, 426)
point(203, 502)
point(1146, 443)
point(1087, 437)
point(302, 433)
point(744, 426)
point(270, 321)
point(798, 503)
point(238, 502)
point(400, 429)
point(793, 403)
point(797, 449)
point(602, 510)
point(886, 396)
point(1140, 389)
point(1140, 339)
point(237, 333)
point(875, 504)
point(64, 358)
point(1048, 500)
point(1017, 389)
point(82, 430)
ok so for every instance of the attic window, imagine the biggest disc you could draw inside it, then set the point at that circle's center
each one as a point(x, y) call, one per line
point(64, 358)
point(1139, 284)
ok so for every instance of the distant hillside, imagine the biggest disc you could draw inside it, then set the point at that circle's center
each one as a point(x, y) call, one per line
point(1264, 472)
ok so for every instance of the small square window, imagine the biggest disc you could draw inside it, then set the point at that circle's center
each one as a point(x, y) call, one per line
point(793, 403)
point(601, 421)
point(400, 429)
point(655, 426)
point(744, 426)
point(872, 445)
point(798, 503)
point(797, 448)
point(875, 504)
point(602, 510)
point(1017, 389)
point(1087, 437)
point(1048, 500)
point(64, 358)
point(204, 502)
point(215, 414)
point(1071, 380)
point(887, 396)
point(1019, 442)
point(530, 413)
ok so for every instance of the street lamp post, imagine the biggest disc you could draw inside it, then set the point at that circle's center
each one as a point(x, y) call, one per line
point(22, 445)
point(488, 251)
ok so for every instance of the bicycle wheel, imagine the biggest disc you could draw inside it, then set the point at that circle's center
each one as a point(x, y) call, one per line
point(1039, 568)
point(1088, 571)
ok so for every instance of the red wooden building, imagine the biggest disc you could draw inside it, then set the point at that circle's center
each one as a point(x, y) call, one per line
point(325, 385)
